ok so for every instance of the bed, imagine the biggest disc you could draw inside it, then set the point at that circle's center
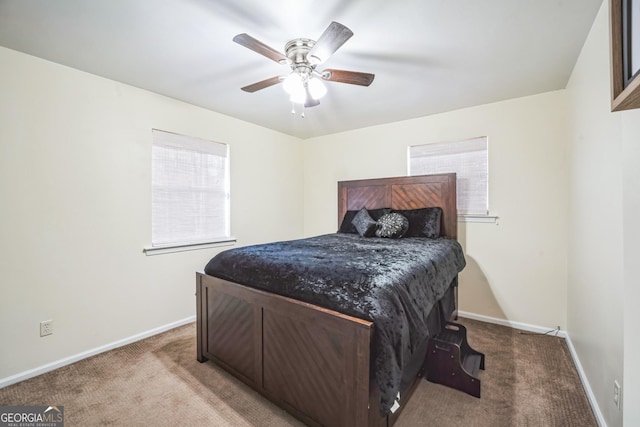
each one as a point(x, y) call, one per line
point(319, 361)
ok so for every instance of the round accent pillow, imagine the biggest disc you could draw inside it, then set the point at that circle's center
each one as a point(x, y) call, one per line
point(392, 225)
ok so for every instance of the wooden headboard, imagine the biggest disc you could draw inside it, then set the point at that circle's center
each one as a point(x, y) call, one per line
point(407, 192)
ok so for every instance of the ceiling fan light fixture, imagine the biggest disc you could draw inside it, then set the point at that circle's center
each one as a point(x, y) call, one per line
point(298, 97)
point(317, 89)
point(295, 88)
point(293, 83)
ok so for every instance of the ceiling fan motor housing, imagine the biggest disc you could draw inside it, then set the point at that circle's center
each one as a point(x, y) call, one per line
point(296, 51)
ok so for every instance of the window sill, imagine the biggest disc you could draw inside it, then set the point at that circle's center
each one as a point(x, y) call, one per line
point(490, 219)
point(158, 250)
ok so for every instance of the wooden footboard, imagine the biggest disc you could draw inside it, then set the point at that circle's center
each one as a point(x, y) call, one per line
point(311, 361)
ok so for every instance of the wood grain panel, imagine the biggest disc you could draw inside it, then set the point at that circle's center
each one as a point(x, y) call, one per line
point(413, 196)
point(315, 357)
point(374, 197)
point(329, 351)
point(231, 323)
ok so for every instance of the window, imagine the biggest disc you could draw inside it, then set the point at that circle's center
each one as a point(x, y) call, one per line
point(468, 159)
point(190, 191)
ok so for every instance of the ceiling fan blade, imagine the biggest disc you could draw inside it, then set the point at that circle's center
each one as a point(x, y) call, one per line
point(350, 77)
point(262, 84)
point(333, 37)
point(255, 45)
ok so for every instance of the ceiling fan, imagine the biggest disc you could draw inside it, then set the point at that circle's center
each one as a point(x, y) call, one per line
point(304, 83)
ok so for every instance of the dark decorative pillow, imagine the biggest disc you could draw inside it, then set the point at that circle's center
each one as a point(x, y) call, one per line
point(364, 224)
point(431, 226)
point(346, 226)
point(392, 225)
point(424, 222)
point(377, 213)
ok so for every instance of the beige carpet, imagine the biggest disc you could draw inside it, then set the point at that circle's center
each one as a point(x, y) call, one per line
point(529, 380)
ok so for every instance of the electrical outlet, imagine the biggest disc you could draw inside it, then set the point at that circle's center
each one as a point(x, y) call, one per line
point(46, 328)
point(617, 394)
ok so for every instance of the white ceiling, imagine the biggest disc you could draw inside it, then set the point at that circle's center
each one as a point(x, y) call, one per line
point(429, 56)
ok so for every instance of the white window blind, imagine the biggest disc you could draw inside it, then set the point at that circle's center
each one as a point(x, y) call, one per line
point(190, 190)
point(468, 159)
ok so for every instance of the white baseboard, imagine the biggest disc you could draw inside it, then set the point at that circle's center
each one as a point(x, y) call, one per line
point(4, 382)
point(585, 383)
point(572, 351)
point(515, 325)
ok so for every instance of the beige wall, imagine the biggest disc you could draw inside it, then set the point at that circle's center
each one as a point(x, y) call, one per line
point(603, 210)
point(596, 284)
point(75, 186)
point(631, 292)
point(516, 270)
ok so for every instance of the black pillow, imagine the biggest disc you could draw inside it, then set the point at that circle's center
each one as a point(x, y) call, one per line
point(392, 225)
point(377, 213)
point(346, 226)
point(433, 222)
point(424, 222)
point(363, 222)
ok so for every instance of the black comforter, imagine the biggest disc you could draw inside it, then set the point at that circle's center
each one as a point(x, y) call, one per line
point(392, 282)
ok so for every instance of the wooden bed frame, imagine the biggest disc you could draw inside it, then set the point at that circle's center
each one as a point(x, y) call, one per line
point(311, 361)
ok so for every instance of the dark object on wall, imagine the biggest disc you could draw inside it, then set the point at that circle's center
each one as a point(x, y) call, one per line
point(625, 59)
